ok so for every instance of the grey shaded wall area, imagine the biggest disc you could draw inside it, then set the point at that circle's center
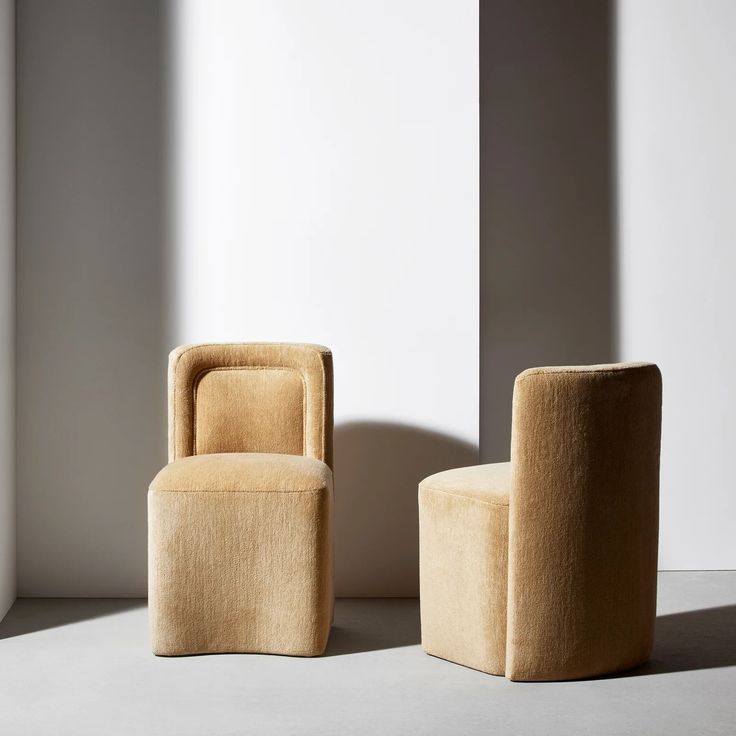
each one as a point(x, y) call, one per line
point(91, 349)
point(7, 306)
point(547, 208)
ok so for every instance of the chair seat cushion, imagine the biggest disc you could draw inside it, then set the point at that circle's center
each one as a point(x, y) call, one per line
point(240, 555)
point(490, 483)
point(244, 472)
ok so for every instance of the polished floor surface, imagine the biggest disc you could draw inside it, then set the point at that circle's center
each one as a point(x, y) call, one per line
point(83, 667)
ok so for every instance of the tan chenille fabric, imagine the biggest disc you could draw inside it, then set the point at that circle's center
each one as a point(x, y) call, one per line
point(463, 528)
point(250, 397)
point(240, 538)
point(243, 472)
point(219, 429)
point(581, 540)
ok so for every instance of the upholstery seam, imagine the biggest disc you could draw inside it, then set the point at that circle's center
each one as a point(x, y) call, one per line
point(220, 490)
point(470, 498)
point(324, 411)
point(519, 379)
point(305, 404)
point(314, 346)
point(183, 352)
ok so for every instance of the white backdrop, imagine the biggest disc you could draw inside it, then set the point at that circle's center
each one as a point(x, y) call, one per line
point(326, 161)
point(677, 256)
point(321, 173)
point(317, 181)
point(326, 164)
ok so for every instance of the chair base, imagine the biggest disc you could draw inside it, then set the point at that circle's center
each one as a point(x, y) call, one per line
point(463, 577)
point(239, 571)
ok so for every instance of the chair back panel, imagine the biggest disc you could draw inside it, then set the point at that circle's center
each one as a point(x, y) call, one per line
point(250, 397)
point(583, 520)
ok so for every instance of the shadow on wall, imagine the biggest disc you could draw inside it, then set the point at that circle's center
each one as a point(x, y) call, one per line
point(378, 467)
point(547, 199)
point(91, 311)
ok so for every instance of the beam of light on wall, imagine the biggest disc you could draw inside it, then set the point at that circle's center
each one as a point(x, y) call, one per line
point(325, 157)
point(326, 190)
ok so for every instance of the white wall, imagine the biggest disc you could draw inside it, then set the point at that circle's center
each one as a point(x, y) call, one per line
point(327, 191)
point(677, 163)
point(7, 289)
point(323, 175)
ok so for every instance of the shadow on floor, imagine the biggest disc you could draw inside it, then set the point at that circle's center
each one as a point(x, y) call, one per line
point(28, 615)
point(361, 625)
point(692, 640)
point(367, 625)
point(686, 641)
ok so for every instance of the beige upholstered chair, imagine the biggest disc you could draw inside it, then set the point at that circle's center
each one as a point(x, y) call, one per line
point(544, 568)
point(240, 521)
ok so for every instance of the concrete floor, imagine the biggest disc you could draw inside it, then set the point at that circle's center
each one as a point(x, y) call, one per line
point(83, 667)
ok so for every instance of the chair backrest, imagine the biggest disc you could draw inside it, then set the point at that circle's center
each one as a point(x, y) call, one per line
point(250, 397)
point(583, 520)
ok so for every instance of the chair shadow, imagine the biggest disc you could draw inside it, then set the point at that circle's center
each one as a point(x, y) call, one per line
point(378, 466)
point(686, 641)
point(692, 640)
point(368, 625)
point(29, 615)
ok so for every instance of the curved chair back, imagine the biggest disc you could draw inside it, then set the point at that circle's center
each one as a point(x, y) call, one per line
point(583, 520)
point(250, 397)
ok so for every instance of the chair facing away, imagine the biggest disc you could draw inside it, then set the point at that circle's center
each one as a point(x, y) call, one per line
point(240, 520)
point(545, 568)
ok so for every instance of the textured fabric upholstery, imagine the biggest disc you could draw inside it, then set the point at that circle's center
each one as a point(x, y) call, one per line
point(463, 528)
point(243, 472)
point(250, 397)
point(578, 536)
point(240, 521)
